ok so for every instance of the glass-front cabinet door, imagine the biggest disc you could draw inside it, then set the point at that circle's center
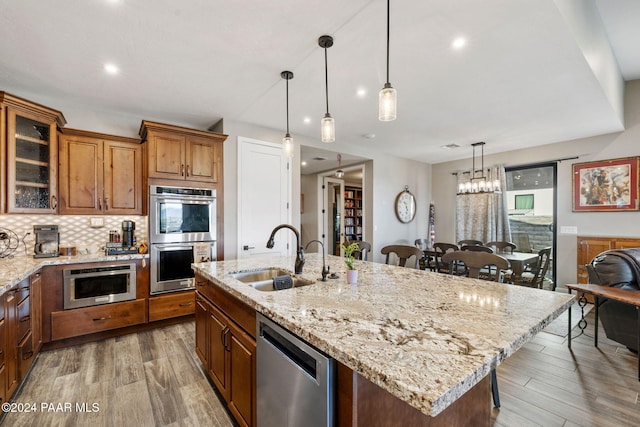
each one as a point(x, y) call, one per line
point(32, 160)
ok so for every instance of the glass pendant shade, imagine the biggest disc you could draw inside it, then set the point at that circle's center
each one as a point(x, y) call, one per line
point(287, 145)
point(328, 129)
point(388, 102)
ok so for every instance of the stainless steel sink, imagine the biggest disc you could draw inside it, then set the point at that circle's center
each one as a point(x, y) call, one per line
point(262, 280)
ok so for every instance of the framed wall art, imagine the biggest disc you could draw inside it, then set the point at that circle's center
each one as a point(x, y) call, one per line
point(606, 185)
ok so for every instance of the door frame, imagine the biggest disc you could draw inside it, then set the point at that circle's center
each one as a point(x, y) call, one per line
point(554, 232)
point(322, 220)
point(242, 142)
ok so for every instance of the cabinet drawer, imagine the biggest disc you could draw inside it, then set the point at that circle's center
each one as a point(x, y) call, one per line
point(21, 294)
point(172, 305)
point(26, 354)
point(24, 318)
point(2, 347)
point(81, 321)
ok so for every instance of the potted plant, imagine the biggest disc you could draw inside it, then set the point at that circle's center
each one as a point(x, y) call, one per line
point(352, 273)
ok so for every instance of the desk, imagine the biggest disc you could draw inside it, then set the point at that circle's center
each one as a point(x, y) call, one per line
point(617, 294)
point(518, 260)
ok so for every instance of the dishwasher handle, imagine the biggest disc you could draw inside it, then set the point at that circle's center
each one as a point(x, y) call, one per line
point(293, 352)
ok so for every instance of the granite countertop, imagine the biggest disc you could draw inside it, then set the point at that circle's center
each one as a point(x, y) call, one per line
point(425, 337)
point(14, 270)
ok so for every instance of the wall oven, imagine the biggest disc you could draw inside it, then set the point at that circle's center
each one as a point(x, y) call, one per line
point(171, 264)
point(182, 214)
point(96, 285)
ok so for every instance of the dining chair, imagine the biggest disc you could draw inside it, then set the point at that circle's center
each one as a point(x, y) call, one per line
point(535, 277)
point(469, 242)
point(422, 244)
point(478, 264)
point(439, 249)
point(403, 253)
point(477, 248)
point(522, 241)
point(501, 247)
point(363, 249)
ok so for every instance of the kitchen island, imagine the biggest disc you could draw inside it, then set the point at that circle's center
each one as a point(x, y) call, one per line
point(425, 338)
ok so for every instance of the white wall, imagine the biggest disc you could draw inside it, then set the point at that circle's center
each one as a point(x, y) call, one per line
point(610, 146)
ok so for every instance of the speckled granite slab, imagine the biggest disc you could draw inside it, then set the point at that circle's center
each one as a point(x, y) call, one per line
point(14, 270)
point(425, 337)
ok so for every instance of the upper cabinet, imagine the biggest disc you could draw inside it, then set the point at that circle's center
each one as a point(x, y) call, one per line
point(183, 154)
point(100, 174)
point(28, 136)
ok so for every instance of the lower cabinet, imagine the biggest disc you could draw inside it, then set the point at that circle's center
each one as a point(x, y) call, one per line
point(227, 351)
point(171, 305)
point(82, 321)
point(20, 337)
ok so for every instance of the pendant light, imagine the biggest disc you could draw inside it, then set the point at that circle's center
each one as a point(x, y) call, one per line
point(339, 172)
point(327, 125)
point(287, 141)
point(388, 98)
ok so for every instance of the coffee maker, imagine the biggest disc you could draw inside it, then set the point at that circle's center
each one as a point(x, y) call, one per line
point(47, 241)
point(128, 230)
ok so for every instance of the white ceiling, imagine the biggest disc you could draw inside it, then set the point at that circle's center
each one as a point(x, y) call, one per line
point(522, 80)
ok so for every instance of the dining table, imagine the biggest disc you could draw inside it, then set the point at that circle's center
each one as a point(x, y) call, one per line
point(518, 261)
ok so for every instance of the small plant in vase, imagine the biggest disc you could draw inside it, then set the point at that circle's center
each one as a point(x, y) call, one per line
point(352, 273)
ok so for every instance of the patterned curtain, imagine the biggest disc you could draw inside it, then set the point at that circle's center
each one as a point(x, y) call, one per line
point(483, 216)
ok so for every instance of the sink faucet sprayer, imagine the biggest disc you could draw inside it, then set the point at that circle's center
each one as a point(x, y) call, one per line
point(300, 251)
point(325, 269)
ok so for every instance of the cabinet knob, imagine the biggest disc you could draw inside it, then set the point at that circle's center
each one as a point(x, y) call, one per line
point(187, 170)
point(182, 170)
point(54, 202)
point(27, 355)
point(25, 319)
point(102, 318)
point(106, 203)
point(186, 304)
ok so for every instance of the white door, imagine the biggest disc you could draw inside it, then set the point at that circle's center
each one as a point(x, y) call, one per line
point(264, 182)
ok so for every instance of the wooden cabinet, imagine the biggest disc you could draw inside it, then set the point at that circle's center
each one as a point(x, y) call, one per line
point(19, 333)
point(100, 174)
point(171, 305)
point(590, 246)
point(28, 132)
point(352, 214)
point(183, 154)
point(226, 345)
point(82, 321)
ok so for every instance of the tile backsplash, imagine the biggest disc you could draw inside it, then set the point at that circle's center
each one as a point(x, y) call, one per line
point(73, 229)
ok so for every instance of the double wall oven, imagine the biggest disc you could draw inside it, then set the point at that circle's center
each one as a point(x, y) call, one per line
point(182, 230)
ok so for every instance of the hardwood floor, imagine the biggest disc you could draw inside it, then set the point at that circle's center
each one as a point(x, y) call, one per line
point(155, 379)
point(152, 378)
point(546, 384)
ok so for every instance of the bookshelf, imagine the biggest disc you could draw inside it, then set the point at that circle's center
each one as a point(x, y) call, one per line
point(353, 213)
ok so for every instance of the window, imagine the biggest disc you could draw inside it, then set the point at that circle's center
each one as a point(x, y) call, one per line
point(524, 201)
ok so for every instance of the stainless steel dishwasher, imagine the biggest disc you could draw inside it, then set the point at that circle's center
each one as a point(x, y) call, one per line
point(295, 382)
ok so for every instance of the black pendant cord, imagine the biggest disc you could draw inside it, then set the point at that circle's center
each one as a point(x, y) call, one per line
point(388, 9)
point(326, 79)
point(287, 107)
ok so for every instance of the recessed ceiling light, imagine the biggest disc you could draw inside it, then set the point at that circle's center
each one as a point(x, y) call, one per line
point(450, 146)
point(458, 43)
point(303, 163)
point(361, 92)
point(369, 135)
point(319, 158)
point(307, 120)
point(111, 69)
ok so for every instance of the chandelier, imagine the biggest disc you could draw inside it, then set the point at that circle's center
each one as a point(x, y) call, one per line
point(479, 184)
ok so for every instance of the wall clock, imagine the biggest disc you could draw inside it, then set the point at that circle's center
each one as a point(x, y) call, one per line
point(405, 205)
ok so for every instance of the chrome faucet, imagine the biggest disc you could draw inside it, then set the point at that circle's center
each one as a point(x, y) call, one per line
point(325, 269)
point(300, 251)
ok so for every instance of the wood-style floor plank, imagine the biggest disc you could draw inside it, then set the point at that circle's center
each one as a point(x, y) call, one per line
point(154, 378)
